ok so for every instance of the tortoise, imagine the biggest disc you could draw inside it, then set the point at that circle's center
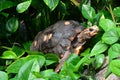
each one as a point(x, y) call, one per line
point(63, 37)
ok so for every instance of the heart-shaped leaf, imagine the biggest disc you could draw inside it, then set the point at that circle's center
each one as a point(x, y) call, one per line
point(15, 66)
point(51, 4)
point(118, 30)
point(12, 25)
point(22, 7)
point(51, 58)
point(115, 67)
point(25, 72)
point(98, 48)
point(110, 36)
point(116, 11)
point(19, 51)
point(8, 55)
point(107, 24)
point(50, 74)
point(3, 75)
point(99, 60)
point(114, 51)
point(73, 59)
point(67, 72)
point(88, 12)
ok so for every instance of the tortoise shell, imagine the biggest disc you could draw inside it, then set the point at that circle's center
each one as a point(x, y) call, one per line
point(63, 36)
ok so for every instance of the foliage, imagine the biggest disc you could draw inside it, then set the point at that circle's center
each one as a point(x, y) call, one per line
point(21, 20)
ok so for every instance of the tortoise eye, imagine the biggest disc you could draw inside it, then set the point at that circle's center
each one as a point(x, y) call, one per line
point(91, 29)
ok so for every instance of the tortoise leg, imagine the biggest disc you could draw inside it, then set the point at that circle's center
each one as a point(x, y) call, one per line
point(61, 62)
point(77, 50)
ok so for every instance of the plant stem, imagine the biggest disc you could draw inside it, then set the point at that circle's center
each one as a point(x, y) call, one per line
point(5, 47)
point(111, 12)
point(117, 23)
point(81, 62)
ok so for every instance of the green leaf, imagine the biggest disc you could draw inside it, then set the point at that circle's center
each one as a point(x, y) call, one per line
point(68, 66)
point(51, 4)
point(62, 8)
point(12, 25)
point(110, 36)
point(73, 59)
point(27, 45)
point(89, 61)
point(87, 51)
point(98, 48)
point(118, 30)
point(8, 55)
point(6, 15)
point(97, 18)
point(85, 58)
point(107, 24)
point(88, 12)
point(49, 62)
point(52, 57)
point(25, 72)
point(99, 60)
point(14, 78)
point(8, 61)
point(116, 11)
point(38, 75)
point(22, 7)
point(40, 59)
point(5, 4)
point(19, 51)
point(34, 53)
point(115, 67)
point(15, 66)
point(50, 74)
point(67, 72)
point(3, 75)
point(114, 51)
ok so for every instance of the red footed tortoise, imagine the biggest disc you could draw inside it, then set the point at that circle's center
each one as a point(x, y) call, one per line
point(63, 38)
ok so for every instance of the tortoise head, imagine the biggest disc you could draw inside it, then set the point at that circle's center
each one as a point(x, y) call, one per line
point(91, 31)
point(87, 33)
point(82, 37)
